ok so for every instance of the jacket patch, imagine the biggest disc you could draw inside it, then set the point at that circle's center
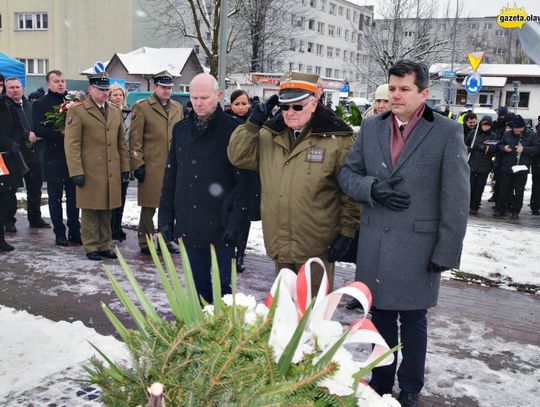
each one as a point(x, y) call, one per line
point(315, 155)
point(69, 120)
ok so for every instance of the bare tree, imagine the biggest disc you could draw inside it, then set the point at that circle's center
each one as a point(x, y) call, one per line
point(198, 20)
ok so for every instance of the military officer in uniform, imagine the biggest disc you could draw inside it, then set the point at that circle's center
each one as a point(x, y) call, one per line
point(97, 159)
point(150, 137)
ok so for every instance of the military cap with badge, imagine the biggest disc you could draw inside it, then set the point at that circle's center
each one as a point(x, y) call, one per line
point(163, 78)
point(100, 80)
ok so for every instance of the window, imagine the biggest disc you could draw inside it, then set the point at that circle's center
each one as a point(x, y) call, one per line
point(320, 28)
point(408, 34)
point(348, 16)
point(338, 52)
point(309, 69)
point(346, 35)
point(197, 49)
point(473, 26)
point(300, 67)
point(344, 54)
point(461, 97)
point(319, 49)
point(0, 21)
point(323, 5)
point(501, 33)
point(353, 36)
point(301, 46)
point(332, 9)
point(488, 26)
point(310, 47)
point(331, 30)
point(355, 17)
point(338, 31)
point(340, 10)
point(32, 21)
point(328, 72)
point(336, 73)
point(329, 52)
point(360, 22)
point(313, 3)
point(367, 21)
point(291, 66)
point(35, 66)
point(499, 51)
point(523, 99)
point(207, 36)
point(311, 24)
point(293, 45)
point(318, 70)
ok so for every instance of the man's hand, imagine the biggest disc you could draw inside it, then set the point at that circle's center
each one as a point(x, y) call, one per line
point(125, 176)
point(229, 236)
point(339, 248)
point(78, 180)
point(166, 231)
point(519, 149)
point(436, 268)
point(32, 138)
point(261, 111)
point(384, 194)
point(507, 148)
point(139, 173)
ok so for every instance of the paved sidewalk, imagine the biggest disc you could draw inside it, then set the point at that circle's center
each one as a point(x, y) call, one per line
point(61, 284)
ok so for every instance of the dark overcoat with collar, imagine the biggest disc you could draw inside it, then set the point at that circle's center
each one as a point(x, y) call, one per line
point(395, 247)
point(96, 148)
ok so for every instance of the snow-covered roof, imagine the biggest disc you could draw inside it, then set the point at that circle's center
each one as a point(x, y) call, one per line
point(148, 61)
point(490, 69)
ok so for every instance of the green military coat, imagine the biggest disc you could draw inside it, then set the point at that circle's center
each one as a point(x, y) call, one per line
point(302, 207)
point(150, 137)
point(96, 148)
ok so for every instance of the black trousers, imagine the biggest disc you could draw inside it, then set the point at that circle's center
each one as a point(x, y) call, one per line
point(33, 181)
point(56, 192)
point(8, 205)
point(243, 239)
point(535, 192)
point(478, 183)
point(117, 213)
point(511, 188)
point(413, 333)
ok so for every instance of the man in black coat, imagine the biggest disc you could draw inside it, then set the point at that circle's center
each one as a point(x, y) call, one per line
point(202, 191)
point(535, 172)
point(10, 180)
point(516, 150)
point(33, 178)
point(55, 170)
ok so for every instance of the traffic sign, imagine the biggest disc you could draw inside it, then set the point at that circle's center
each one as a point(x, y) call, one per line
point(99, 67)
point(448, 74)
point(475, 59)
point(473, 83)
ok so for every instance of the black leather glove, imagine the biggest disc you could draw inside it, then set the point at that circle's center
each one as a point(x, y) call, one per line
point(125, 176)
point(339, 248)
point(261, 111)
point(436, 268)
point(78, 180)
point(139, 173)
point(229, 236)
point(166, 231)
point(383, 193)
point(15, 148)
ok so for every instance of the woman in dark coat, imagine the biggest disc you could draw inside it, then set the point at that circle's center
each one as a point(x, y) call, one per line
point(241, 109)
point(480, 160)
point(10, 130)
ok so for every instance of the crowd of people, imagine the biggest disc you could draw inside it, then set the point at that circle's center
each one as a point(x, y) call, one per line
point(404, 185)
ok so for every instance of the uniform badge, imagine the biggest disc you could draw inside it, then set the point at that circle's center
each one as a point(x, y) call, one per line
point(69, 120)
point(315, 155)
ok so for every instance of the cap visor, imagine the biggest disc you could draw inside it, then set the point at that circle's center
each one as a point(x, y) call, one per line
point(293, 97)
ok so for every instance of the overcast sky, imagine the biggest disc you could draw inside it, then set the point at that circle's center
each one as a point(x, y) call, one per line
point(475, 8)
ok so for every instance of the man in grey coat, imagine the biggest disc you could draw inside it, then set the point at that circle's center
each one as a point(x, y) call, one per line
point(409, 167)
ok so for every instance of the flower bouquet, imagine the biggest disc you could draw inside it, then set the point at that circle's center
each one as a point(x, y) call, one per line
point(235, 352)
point(58, 115)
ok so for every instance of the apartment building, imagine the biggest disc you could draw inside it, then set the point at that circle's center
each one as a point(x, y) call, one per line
point(69, 35)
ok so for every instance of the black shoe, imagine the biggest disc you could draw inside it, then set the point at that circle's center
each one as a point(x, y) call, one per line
point(10, 227)
point(535, 211)
point(353, 304)
point(171, 247)
point(5, 246)
point(240, 267)
point(115, 235)
point(514, 215)
point(145, 251)
point(108, 254)
point(94, 256)
point(39, 223)
point(121, 236)
point(498, 214)
point(492, 198)
point(61, 241)
point(473, 211)
point(408, 399)
point(75, 239)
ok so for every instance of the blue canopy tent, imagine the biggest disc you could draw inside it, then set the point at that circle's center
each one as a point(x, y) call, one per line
point(12, 67)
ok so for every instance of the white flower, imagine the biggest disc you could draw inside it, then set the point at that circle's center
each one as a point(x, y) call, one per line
point(209, 310)
point(326, 332)
point(367, 397)
point(261, 310)
point(242, 300)
point(341, 382)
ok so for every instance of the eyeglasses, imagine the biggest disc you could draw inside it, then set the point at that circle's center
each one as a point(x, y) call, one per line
point(296, 108)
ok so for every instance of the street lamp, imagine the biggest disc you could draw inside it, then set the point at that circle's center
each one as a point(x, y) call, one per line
point(515, 96)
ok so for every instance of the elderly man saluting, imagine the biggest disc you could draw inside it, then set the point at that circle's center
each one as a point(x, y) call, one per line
point(299, 154)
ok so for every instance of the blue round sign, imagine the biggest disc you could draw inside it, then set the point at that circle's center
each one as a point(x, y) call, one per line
point(473, 83)
point(99, 67)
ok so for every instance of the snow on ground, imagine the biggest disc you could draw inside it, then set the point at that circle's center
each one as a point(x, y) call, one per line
point(34, 348)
